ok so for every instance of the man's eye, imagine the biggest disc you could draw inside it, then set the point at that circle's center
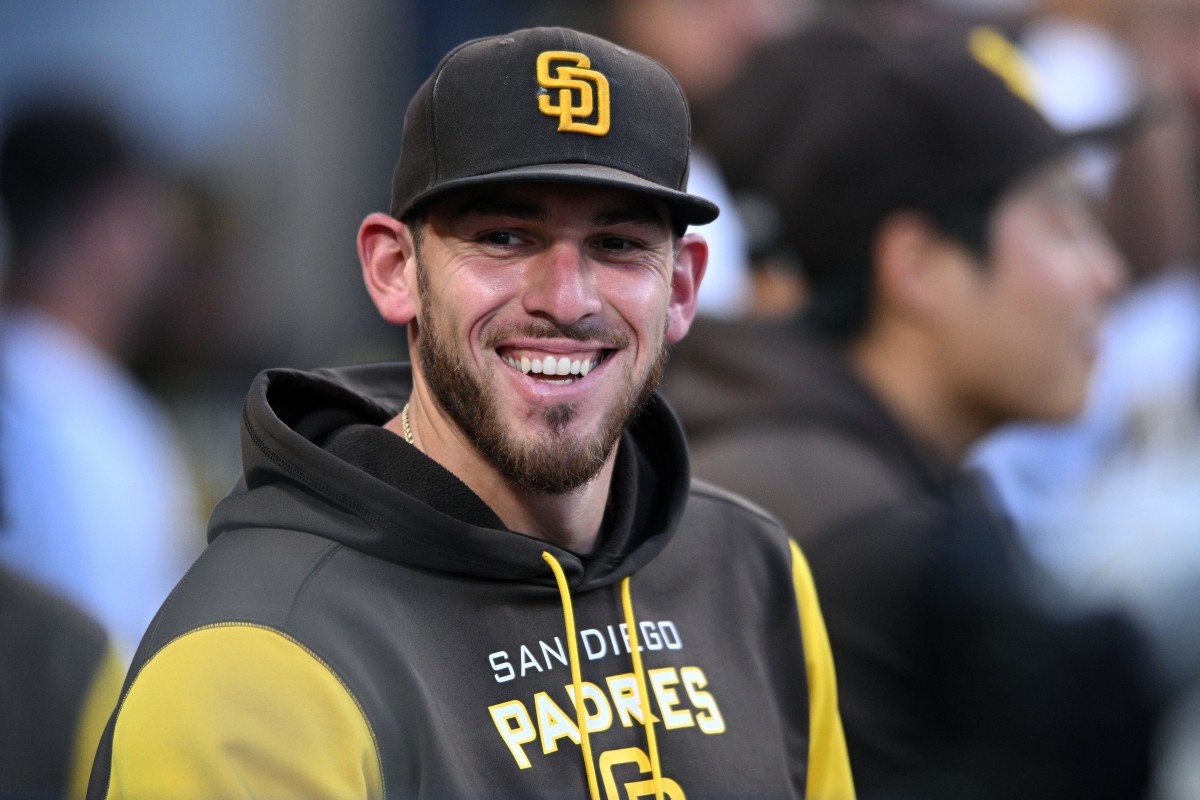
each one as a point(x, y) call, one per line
point(500, 238)
point(616, 244)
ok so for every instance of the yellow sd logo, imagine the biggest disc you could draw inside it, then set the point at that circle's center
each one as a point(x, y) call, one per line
point(579, 78)
point(635, 789)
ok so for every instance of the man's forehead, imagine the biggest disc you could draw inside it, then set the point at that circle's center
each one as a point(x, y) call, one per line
point(1059, 181)
point(539, 201)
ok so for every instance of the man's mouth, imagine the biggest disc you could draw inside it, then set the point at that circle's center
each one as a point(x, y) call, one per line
point(569, 368)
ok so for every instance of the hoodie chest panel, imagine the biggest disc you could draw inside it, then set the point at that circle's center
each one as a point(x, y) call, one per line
point(468, 682)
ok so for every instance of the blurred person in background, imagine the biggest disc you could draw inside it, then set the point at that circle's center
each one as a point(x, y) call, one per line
point(957, 277)
point(59, 681)
point(704, 45)
point(99, 500)
point(1108, 501)
point(1073, 489)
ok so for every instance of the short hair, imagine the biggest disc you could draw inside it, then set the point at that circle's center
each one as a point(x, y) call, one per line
point(53, 159)
point(842, 290)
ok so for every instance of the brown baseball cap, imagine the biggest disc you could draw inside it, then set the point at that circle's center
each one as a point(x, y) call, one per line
point(548, 105)
point(838, 129)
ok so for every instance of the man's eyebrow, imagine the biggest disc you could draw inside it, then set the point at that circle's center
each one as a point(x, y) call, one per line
point(641, 214)
point(497, 205)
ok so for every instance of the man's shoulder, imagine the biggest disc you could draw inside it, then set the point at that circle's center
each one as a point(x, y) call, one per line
point(810, 477)
point(720, 525)
point(257, 576)
point(711, 496)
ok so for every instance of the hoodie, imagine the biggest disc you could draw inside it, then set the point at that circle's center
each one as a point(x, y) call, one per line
point(362, 625)
point(958, 676)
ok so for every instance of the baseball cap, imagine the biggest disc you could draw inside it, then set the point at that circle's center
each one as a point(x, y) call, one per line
point(836, 129)
point(548, 105)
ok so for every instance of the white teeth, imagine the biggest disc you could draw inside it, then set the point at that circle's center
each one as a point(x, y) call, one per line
point(552, 366)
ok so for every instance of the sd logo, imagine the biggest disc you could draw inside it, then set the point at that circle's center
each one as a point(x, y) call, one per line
point(566, 79)
point(636, 789)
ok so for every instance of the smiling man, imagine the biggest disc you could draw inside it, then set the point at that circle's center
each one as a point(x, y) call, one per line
point(545, 316)
point(489, 574)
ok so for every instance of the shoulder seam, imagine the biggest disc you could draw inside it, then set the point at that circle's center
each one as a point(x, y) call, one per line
point(330, 549)
point(711, 491)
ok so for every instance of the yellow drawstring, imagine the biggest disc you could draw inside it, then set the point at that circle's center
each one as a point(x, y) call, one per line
point(585, 743)
point(576, 680)
point(643, 694)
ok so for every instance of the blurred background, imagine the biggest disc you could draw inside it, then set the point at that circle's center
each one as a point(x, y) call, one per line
point(278, 124)
point(273, 126)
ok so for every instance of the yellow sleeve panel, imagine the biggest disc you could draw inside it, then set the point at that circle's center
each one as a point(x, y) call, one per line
point(829, 775)
point(244, 711)
point(98, 705)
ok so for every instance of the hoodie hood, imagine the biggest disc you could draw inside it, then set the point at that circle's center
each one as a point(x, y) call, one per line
point(731, 375)
point(293, 419)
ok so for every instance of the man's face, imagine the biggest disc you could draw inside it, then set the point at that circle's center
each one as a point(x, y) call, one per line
point(543, 322)
point(1026, 323)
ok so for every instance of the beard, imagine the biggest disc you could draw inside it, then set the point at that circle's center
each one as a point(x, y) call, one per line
point(550, 461)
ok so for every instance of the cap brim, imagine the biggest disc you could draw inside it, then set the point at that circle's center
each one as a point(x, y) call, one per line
point(686, 209)
point(1120, 131)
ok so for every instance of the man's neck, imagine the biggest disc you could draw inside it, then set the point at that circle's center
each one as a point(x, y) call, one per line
point(571, 520)
point(910, 382)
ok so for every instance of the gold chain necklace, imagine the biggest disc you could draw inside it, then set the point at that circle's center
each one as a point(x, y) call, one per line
point(404, 424)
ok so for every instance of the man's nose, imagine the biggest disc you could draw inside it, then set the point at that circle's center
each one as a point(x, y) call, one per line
point(560, 285)
point(1110, 271)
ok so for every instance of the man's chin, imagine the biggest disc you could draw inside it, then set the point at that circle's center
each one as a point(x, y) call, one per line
point(555, 457)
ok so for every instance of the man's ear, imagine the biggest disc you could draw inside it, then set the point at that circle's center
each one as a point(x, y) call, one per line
point(691, 259)
point(387, 254)
point(917, 268)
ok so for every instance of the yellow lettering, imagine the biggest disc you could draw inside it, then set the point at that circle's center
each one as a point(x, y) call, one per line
point(611, 759)
point(708, 717)
point(663, 680)
point(516, 728)
point(550, 722)
point(602, 719)
point(553, 723)
point(578, 78)
point(626, 700)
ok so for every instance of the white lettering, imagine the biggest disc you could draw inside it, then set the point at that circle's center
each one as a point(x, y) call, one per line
point(516, 728)
point(612, 637)
point(553, 723)
point(664, 680)
point(559, 655)
point(587, 636)
point(625, 636)
point(503, 669)
point(649, 635)
point(602, 719)
point(670, 635)
point(624, 691)
point(543, 655)
point(528, 661)
point(708, 717)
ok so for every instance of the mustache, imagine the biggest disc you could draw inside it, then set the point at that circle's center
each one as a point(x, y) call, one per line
point(582, 331)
